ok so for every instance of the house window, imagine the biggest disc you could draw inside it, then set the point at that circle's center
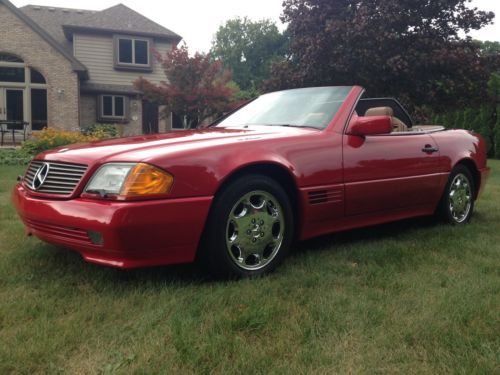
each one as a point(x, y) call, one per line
point(36, 76)
point(112, 107)
point(23, 93)
point(125, 48)
point(7, 57)
point(11, 74)
point(132, 53)
point(177, 122)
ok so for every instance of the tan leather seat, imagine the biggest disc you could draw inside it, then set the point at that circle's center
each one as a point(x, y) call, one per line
point(397, 124)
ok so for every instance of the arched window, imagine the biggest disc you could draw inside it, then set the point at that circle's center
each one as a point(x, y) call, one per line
point(7, 57)
point(12, 74)
point(36, 76)
point(23, 93)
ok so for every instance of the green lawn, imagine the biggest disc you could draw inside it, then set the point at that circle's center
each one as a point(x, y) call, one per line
point(409, 297)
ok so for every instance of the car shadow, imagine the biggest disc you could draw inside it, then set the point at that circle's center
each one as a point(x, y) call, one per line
point(189, 274)
point(369, 233)
point(60, 262)
point(192, 273)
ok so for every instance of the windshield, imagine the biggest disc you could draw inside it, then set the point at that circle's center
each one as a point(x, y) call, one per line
point(310, 107)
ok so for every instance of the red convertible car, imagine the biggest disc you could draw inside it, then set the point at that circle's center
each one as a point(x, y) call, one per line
point(289, 165)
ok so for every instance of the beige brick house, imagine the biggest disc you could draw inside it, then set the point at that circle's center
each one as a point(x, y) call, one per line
point(69, 68)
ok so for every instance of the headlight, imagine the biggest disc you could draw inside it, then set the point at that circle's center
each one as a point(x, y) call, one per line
point(130, 180)
point(109, 179)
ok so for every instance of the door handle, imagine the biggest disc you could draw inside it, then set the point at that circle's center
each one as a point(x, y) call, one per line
point(430, 149)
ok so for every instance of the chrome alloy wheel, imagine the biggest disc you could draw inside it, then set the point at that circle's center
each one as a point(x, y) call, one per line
point(255, 230)
point(460, 198)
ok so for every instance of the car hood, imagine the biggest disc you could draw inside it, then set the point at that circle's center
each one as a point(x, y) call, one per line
point(148, 147)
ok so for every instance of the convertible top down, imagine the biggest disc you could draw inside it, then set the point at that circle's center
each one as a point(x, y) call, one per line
point(289, 165)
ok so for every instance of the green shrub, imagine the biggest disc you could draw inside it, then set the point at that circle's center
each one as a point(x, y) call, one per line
point(483, 119)
point(101, 131)
point(50, 138)
point(14, 157)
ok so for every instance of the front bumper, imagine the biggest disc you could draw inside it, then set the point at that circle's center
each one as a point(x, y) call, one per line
point(134, 234)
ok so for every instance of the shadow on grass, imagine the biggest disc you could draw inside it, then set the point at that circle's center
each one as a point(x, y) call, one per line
point(63, 261)
point(371, 233)
point(53, 264)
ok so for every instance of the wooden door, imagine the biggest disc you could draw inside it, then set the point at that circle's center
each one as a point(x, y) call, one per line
point(150, 118)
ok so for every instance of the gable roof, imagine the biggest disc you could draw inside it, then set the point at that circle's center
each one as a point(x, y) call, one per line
point(76, 65)
point(57, 25)
point(51, 19)
point(119, 19)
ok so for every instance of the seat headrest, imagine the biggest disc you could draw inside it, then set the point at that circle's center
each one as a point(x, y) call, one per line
point(380, 111)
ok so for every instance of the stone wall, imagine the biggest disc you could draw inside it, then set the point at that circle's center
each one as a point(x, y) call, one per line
point(88, 110)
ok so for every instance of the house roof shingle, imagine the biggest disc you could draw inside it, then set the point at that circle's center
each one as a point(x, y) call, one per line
point(122, 19)
point(60, 23)
point(51, 19)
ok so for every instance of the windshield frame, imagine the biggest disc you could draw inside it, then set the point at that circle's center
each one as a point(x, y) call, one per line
point(327, 124)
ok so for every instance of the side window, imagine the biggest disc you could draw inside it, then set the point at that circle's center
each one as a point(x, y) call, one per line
point(398, 110)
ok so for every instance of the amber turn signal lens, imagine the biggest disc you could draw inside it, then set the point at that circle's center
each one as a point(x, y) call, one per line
point(145, 179)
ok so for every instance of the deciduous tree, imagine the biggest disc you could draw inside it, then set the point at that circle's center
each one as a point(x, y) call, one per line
point(408, 48)
point(488, 47)
point(196, 87)
point(249, 48)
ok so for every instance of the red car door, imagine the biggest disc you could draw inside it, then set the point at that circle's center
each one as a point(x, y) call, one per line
point(389, 172)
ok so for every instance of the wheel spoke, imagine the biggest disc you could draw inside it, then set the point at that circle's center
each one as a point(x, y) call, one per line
point(255, 230)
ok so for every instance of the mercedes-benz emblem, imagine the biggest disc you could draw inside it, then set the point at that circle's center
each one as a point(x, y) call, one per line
point(40, 176)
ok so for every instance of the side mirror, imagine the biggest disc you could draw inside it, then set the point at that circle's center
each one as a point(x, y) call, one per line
point(371, 125)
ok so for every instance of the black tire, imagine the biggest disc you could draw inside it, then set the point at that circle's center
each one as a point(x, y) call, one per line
point(223, 260)
point(459, 174)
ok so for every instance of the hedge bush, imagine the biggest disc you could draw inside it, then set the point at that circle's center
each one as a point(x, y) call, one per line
point(484, 120)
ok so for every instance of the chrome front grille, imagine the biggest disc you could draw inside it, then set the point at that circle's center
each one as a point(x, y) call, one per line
point(61, 179)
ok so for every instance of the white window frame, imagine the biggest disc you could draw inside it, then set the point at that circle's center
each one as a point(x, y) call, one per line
point(26, 86)
point(133, 65)
point(113, 117)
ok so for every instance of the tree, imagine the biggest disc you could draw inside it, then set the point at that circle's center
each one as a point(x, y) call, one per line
point(483, 119)
point(196, 87)
point(493, 130)
point(249, 48)
point(489, 47)
point(411, 49)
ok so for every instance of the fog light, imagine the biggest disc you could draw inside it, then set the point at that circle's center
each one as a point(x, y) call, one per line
point(95, 237)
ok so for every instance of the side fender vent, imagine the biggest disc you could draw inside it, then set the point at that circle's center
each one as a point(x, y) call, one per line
point(324, 196)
